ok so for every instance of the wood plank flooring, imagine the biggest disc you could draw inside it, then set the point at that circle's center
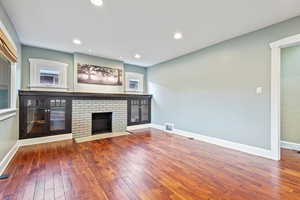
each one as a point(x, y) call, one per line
point(148, 165)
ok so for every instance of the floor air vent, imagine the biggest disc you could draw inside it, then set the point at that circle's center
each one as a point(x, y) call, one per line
point(169, 126)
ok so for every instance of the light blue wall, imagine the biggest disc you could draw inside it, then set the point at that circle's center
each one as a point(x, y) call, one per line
point(72, 60)
point(213, 91)
point(41, 53)
point(9, 132)
point(290, 94)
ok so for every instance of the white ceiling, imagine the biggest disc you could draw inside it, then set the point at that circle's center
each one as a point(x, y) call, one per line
point(125, 27)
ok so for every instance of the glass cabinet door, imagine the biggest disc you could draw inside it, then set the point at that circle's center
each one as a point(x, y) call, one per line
point(134, 111)
point(36, 123)
point(144, 110)
point(45, 116)
point(57, 114)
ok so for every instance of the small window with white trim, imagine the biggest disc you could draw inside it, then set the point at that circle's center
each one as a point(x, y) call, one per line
point(134, 82)
point(48, 74)
point(49, 77)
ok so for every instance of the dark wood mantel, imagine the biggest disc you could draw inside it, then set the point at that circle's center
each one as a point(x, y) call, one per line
point(84, 95)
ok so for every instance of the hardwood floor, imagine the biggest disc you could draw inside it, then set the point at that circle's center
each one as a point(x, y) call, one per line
point(148, 165)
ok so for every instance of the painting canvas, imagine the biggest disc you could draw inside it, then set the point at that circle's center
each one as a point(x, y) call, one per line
point(92, 74)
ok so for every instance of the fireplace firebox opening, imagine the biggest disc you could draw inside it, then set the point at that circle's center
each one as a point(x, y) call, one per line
point(101, 123)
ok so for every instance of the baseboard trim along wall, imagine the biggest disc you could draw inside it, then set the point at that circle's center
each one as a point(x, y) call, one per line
point(142, 126)
point(223, 143)
point(290, 145)
point(8, 157)
point(41, 140)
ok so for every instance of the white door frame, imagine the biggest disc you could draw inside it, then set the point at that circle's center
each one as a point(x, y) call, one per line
point(275, 90)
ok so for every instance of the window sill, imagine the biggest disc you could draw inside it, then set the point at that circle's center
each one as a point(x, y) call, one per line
point(7, 113)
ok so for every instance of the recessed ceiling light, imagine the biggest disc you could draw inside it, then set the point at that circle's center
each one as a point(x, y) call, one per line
point(178, 36)
point(77, 41)
point(137, 56)
point(97, 2)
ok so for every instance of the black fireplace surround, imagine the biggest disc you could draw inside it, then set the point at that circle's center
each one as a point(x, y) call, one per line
point(101, 123)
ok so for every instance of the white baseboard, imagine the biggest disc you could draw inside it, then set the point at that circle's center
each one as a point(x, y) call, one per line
point(220, 142)
point(290, 145)
point(142, 126)
point(41, 140)
point(7, 158)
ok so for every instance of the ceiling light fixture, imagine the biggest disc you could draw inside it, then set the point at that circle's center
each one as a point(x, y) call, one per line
point(97, 2)
point(178, 36)
point(77, 41)
point(137, 56)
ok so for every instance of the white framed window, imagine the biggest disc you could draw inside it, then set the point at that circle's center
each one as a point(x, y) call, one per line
point(8, 86)
point(134, 82)
point(48, 74)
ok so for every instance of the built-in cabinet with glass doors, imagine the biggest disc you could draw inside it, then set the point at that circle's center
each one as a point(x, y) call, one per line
point(50, 113)
point(139, 111)
point(44, 116)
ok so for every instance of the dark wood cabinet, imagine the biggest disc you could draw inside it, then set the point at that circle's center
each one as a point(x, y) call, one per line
point(45, 113)
point(44, 116)
point(139, 111)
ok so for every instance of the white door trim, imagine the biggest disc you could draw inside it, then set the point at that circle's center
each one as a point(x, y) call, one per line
point(275, 90)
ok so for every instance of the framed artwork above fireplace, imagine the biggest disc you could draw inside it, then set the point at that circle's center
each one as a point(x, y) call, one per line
point(92, 74)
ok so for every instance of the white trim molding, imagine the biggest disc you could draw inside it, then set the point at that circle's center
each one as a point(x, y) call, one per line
point(275, 90)
point(7, 113)
point(8, 157)
point(136, 127)
point(290, 145)
point(7, 116)
point(220, 142)
point(41, 140)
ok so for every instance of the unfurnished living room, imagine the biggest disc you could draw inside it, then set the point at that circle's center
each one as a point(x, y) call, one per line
point(149, 100)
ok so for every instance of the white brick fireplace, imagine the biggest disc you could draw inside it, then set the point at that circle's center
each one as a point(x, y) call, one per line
point(82, 111)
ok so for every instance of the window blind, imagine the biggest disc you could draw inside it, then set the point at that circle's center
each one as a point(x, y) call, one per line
point(7, 49)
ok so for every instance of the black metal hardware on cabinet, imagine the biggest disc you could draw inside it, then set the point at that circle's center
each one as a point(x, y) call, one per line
point(50, 113)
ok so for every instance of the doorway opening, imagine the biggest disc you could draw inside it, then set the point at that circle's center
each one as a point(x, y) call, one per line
point(277, 48)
